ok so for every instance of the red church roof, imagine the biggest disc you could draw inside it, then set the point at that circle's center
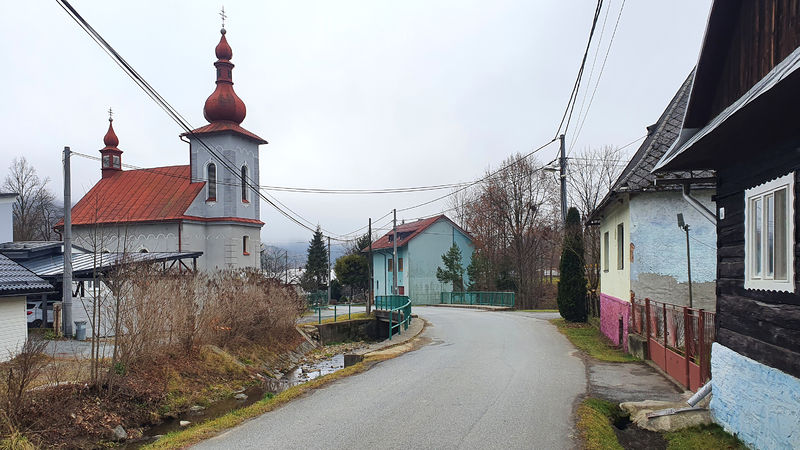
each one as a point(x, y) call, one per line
point(144, 195)
point(408, 231)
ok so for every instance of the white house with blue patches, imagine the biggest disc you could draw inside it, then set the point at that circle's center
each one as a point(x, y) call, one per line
point(741, 122)
point(642, 250)
point(420, 246)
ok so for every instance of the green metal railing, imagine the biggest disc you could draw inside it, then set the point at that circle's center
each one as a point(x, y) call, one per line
point(478, 298)
point(399, 306)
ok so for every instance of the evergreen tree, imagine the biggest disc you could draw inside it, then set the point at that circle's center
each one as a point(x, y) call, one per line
point(572, 284)
point(360, 244)
point(479, 271)
point(315, 277)
point(453, 271)
point(352, 271)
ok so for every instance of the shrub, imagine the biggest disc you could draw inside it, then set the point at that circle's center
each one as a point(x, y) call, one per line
point(572, 282)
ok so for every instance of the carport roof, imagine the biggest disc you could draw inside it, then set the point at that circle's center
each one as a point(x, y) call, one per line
point(84, 264)
point(18, 280)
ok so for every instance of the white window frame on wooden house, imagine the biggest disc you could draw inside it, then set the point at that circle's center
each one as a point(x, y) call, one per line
point(769, 235)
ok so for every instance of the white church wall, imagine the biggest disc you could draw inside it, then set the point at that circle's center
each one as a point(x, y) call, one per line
point(221, 244)
point(151, 237)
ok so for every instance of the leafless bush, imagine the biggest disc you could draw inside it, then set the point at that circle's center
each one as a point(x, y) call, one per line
point(17, 375)
point(158, 313)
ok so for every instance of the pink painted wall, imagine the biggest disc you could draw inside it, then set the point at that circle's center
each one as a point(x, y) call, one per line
point(611, 308)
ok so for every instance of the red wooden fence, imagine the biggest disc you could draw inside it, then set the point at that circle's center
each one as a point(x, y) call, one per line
point(679, 339)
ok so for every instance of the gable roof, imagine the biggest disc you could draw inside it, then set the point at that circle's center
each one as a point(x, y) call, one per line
point(223, 126)
point(696, 147)
point(637, 175)
point(16, 279)
point(143, 195)
point(408, 231)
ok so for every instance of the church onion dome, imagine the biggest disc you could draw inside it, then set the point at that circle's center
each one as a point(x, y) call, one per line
point(110, 155)
point(223, 105)
point(110, 140)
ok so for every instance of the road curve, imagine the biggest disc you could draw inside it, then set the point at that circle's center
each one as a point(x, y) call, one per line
point(487, 380)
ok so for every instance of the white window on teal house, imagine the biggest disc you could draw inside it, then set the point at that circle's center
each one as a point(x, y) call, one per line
point(769, 235)
point(620, 247)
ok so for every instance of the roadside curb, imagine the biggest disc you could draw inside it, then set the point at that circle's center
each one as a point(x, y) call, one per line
point(386, 344)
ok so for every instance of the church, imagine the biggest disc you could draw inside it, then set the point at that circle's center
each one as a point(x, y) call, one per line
point(210, 205)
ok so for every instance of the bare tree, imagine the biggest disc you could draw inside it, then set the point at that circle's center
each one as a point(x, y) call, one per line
point(34, 211)
point(511, 216)
point(592, 174)
point(275, 262)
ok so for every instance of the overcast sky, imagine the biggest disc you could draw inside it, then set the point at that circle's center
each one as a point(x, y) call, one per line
point(350, 94)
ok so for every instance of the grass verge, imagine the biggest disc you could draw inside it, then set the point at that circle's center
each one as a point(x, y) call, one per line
point(590, 340)
point(595, 423)
point(704, 437)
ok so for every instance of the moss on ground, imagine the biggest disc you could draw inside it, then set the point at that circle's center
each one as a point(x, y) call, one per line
point(704, 437)
point(595, 424)
point(591, 341)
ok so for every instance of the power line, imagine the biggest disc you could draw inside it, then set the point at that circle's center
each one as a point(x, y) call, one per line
point(481, 179)
point(594, 63)
point(602, 67)
point(574, 95)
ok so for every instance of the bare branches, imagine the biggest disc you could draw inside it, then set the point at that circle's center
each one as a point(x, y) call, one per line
point(34, 211)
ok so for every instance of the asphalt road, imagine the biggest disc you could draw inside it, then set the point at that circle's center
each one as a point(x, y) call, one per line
point(486, 380)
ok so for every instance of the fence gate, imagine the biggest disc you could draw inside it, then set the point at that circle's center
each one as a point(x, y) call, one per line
point(678, 339)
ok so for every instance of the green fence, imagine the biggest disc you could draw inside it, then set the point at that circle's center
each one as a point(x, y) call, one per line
point(399, 307)
point(478, 298)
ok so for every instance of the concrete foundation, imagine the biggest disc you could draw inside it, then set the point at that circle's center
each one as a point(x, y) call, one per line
point(352, 330)
point(637, 346)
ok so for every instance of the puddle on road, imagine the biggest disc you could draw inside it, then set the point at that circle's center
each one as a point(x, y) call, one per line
point(294, 377)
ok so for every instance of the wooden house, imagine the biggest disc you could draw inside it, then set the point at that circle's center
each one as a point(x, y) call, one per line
point(742, 121)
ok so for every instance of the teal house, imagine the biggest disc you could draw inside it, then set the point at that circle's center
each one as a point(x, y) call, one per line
point(420, 246)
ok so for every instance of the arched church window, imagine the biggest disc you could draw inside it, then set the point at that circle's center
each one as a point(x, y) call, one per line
point(143, 250)
point(244, 184)
point(211, 177)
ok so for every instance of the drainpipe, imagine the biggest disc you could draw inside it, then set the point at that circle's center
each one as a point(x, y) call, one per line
point(705, 212)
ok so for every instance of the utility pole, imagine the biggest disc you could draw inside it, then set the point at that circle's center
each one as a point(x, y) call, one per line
point(66, 310)
point(394, 253)
point(371, 278)
point(286, 265)
point(329, 270)
point(563, 165)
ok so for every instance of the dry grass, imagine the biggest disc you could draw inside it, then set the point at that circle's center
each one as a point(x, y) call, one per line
point(192, 435)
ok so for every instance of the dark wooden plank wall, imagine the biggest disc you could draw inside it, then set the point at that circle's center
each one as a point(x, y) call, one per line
point(762, 325)
point(766, 32)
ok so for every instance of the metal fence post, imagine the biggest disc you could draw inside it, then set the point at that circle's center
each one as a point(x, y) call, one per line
point(647, 319)
point(701, 344)
point(686, 332)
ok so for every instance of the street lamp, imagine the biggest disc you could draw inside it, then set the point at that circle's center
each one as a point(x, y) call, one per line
point(685, 226)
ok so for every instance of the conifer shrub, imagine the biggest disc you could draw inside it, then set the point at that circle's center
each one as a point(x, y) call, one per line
point(572, 283)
